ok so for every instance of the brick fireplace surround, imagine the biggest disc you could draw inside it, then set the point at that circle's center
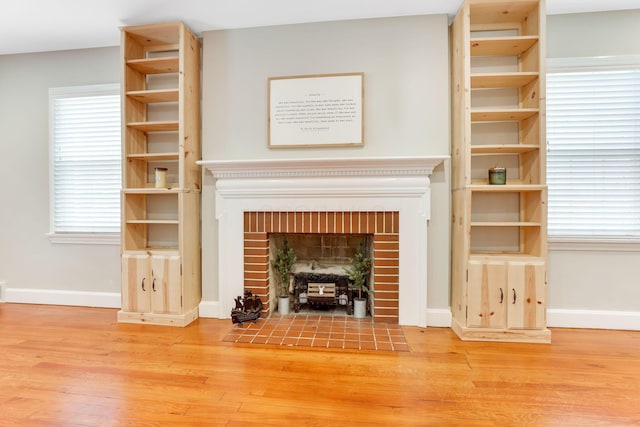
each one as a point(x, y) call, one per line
point(387, 197)
point(382, 225)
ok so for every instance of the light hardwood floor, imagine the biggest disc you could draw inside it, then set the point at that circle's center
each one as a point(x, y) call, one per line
point(71, 366)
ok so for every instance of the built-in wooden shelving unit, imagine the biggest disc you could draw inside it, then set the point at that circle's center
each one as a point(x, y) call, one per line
point(161, 129)
point(499, 232)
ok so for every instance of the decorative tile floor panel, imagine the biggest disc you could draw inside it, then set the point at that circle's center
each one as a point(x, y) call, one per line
point(321, 331)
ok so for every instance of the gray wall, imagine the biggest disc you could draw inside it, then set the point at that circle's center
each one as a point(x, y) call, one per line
point(583, 277)
point(27, 259)
point(405, 61)
point(593, 34)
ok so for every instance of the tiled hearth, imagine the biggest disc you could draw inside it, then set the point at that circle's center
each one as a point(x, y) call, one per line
point(321, 331)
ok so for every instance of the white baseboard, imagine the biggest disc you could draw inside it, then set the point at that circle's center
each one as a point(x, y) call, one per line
point(61, 297)
point(562, 318)
point(439, 317)
point(436, 317)
point(594, 319)
point(211, 309)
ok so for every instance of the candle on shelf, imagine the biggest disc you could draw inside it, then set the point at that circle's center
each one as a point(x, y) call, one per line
point(161, 177)
point(497, 175)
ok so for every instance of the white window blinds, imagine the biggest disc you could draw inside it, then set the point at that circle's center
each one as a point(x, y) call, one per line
point(85, 159)
point(593, 160)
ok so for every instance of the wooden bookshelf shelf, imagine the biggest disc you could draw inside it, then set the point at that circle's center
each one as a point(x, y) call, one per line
point(502, 46)
point(501, 115)
point(160, 65)
point(502, 80)
point(164, 126)
point(160, 226)
point(499, 231)
point(151, 96)
point(158, 157)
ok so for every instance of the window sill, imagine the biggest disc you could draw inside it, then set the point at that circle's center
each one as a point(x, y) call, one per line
point(85, 238)
point(594, 244)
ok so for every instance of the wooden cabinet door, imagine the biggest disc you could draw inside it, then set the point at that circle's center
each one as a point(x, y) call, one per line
point(136, 283)
point(486, 294)
point(526, 301)
point(166, 285)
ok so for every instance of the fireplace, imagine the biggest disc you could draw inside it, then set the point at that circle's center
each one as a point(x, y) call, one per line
point(387, 198)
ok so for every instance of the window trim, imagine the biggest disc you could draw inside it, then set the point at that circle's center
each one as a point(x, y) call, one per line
point(591, 244)
point(82, 238)
point(597, 63)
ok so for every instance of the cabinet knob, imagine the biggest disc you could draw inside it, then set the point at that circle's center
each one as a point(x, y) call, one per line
point(143, 289)
point(153, 285)
point(501, 296)
point(514, 295)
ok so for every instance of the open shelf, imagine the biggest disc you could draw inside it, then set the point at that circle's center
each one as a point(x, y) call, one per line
point(151, 96)
point(154, 157)
point(153, 190)
point(503, 148)
point(482, 256)
point(502, 46)
point(504, 224)
point(503, 255)
point(160, 65)
point(163, 126)
point(153, 221)
point(508, 188)
point(502, 80)
point(156, 36)
point(502, 115)
point(499, 13)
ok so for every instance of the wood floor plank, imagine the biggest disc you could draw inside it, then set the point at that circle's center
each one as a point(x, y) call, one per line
point(76, 366)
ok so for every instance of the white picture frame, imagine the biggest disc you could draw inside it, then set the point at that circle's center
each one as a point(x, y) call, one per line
point(316, 111)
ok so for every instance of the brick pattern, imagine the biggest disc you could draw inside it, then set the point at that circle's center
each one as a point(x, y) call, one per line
point(326, 332)
point(384, 226)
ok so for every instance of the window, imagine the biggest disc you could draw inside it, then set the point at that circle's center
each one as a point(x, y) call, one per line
point(593, 159)
point(85, 164)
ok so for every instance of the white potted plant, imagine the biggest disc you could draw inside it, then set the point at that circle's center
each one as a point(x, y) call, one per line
point(282, 266)
point(359, 273)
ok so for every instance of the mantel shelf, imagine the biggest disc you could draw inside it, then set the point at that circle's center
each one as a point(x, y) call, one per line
point(324, 167)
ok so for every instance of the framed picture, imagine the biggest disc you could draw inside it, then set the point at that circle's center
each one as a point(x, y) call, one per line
point(316, 110)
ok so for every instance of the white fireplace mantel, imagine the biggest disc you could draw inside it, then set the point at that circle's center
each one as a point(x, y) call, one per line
point(362, 166)
point(327, 184)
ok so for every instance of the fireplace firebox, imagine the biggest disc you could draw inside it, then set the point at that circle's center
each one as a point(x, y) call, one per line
point(383, 227)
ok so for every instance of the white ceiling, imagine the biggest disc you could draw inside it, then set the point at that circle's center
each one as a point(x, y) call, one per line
point(44, 25)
